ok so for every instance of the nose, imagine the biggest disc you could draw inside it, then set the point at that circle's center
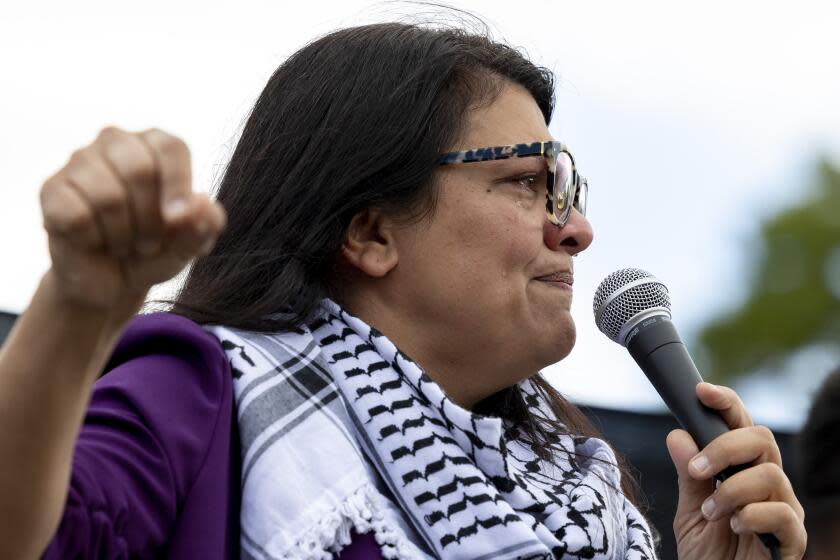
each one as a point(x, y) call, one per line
point(573, 237)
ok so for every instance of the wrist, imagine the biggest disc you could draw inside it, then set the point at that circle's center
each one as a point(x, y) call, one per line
point(81, 316)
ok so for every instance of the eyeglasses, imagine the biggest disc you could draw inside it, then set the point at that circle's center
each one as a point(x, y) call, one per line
point(565, 189)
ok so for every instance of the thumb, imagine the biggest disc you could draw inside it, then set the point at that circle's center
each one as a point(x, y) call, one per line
point(682, 449)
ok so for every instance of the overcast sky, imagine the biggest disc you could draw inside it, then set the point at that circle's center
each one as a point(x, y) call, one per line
point(692, 123)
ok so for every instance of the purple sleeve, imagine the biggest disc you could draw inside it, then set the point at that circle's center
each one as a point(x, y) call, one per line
point(363, 547)
point(157, 430)
point(144, 440)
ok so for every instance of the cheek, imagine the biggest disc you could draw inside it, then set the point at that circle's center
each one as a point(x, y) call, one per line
point(492, 236)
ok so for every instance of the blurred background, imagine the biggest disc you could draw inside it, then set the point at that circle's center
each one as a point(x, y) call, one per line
point(709, 132)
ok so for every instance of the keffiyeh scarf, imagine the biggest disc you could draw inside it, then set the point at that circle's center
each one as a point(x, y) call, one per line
point(341, 432)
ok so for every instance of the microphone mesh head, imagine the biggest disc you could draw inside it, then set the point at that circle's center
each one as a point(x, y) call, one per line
point(626, 294)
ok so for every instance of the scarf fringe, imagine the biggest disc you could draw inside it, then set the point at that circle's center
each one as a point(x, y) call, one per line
point(361, 512)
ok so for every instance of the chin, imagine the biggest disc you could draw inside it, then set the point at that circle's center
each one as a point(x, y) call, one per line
point(561, 342)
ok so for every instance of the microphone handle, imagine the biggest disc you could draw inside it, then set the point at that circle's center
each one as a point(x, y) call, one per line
point(657, 348)
point(660, 353)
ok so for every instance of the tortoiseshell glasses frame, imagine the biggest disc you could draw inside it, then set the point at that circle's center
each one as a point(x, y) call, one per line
point(565, 188)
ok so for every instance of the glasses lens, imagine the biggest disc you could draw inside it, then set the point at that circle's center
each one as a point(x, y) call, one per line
point(582, 196)
point(562, 187)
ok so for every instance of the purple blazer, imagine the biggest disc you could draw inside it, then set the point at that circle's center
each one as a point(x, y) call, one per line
point(156, 466)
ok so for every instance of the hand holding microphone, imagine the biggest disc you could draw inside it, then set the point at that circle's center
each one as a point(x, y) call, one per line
point(754, 497)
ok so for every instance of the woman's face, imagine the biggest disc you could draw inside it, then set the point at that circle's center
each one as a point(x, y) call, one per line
point(475, 279)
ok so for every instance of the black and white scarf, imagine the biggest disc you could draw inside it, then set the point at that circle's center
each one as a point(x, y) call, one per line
point(342, 432)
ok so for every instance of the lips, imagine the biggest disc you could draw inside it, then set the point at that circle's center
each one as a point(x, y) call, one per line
point(561, 277)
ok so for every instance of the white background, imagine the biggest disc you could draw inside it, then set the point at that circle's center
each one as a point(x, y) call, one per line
point(691, 121)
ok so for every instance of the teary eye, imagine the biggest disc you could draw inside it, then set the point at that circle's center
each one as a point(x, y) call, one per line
point(530, 182)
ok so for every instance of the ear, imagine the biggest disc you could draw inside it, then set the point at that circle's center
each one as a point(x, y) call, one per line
point(370, 244)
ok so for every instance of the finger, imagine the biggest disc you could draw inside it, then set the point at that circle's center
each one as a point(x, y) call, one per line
point(743, 446)
point(172, 161)
point(194, 237)
point(766, 482)
point(66, 214)
point(92, 179)
point(692, 492)
point(777, 518)
point(218, 217)
point(199, 232)
point(727, 402)
point(133, 164)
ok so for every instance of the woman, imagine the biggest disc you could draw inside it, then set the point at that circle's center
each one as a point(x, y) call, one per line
point(395, 268)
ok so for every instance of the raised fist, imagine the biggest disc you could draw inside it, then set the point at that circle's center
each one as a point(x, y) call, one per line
point(121, 216)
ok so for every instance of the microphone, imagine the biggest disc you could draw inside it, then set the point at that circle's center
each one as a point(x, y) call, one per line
point(632, 308)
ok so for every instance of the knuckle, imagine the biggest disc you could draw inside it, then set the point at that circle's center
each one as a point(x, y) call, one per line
point(765, 433)
point(109, 133)
point(782, 515)
point(83, 162)
point(794, 541)
point(48, 189)
point(78, 157)
point(111, 202)
point(58, 216)
point(167, 143)
point(68, 223)
point(774, 474)
point(769, 439)
point(131, 161)
point(801, 547)
point(76, 221)
point(790, 515)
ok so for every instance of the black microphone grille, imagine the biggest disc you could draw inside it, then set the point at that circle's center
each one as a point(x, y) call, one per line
point(626, 297)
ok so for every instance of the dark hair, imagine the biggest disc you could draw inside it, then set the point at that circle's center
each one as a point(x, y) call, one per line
point(818, 468)
point(354, 120)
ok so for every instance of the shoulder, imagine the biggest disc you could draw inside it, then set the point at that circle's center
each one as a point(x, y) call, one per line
point(167, 356)
point(166, 333)
point(153, 457)
point(167, 381)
